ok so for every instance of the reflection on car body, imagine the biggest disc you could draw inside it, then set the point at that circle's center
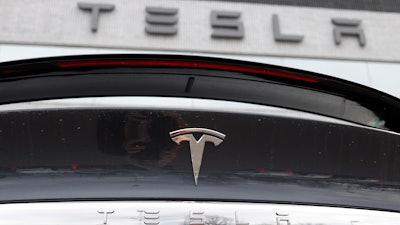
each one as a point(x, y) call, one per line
point(290, 147)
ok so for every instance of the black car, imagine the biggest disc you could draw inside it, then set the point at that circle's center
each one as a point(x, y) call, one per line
point(162, 139)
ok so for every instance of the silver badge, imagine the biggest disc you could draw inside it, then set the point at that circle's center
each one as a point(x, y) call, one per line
point(197, 146)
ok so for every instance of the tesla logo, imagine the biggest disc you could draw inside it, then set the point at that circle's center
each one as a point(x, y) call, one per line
point(197, 146)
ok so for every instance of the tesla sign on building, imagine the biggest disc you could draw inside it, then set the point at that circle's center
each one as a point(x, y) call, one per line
point(204, 26)
point(226, 24)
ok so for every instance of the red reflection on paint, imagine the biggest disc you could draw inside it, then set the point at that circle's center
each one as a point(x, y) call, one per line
point(261, 170)
point(289, 171)
point(187, 64)
point(74, 166)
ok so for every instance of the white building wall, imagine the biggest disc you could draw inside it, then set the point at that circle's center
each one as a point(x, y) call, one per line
point(63, 23)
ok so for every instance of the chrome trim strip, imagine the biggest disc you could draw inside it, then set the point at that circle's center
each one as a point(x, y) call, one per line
point(188, 213)
point(167, 103)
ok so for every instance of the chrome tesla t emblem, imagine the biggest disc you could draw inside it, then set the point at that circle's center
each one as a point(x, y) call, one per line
point(197, 146)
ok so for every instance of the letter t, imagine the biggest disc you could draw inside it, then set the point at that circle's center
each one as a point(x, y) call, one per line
point(95, 9)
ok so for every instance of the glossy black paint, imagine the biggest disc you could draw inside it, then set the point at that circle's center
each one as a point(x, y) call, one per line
point(108, 154)
point(128, 154)
point(44, 79)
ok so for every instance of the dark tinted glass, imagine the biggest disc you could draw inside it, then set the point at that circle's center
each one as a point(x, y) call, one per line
point(100, 153)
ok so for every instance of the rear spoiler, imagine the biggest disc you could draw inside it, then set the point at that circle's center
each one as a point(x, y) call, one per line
point(199, 77)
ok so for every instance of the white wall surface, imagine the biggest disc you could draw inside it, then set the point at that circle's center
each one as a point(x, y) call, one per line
point(61, 22)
